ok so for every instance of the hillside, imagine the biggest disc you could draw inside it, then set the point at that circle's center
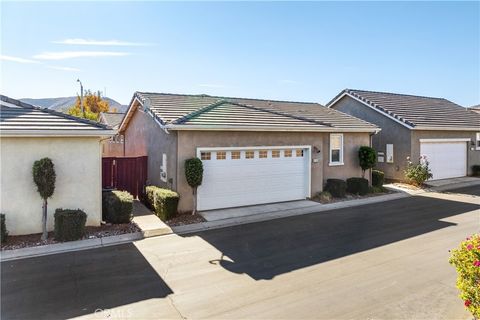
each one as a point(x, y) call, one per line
point(63, 103)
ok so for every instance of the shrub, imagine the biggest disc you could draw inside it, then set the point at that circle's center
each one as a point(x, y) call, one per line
point(375, 189)
point(69, 224)
point(324, 196)
point(378, 178)
point(357, 186)
point(44, 177)
point(164, 202)
point(336, 187)
point(367, 157)
point(476, 170)
point(117, 206)
point(466, 259)
point(418, 173)
point(3, 228)
point(194, 176)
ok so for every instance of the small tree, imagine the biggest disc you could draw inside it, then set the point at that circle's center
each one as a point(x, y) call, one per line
point(367, 157)
point(418, 173)
point(194, 175)
point(44, 177)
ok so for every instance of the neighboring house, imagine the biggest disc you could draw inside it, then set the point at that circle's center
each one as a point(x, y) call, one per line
point(29, 133)
point(475, 108)
point(112, 147)
point(413, 126)
point(253, 151)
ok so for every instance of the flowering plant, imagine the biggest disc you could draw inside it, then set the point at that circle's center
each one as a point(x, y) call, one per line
point(418, 173)
point(466, 259)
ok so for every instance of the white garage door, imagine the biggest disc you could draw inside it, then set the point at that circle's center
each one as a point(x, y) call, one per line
point(447, 159)
point(234, 178)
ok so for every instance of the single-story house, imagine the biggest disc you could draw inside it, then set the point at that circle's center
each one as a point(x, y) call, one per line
point(112, 147)
point(413, 126)
point(253, 151)
point(475, 108)
point(29, 133)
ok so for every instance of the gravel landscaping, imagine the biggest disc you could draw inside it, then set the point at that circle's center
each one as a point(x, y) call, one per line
point(352, 197)
point(182, 219)
point(33, 240)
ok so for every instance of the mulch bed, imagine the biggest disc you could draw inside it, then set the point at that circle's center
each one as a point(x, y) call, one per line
point(353, 197)
point(33, 240)
point(182, 219)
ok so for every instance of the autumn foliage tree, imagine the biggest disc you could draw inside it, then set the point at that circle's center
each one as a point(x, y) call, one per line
point(93, 104)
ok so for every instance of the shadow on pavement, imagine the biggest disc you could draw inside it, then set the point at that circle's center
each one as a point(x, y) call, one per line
point(77, 283)
point(267, 249)
point(473, 191)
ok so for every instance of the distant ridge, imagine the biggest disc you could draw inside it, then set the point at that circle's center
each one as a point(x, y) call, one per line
point(63, 103)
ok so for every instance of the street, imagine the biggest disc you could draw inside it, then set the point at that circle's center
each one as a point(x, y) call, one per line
point(379, 261)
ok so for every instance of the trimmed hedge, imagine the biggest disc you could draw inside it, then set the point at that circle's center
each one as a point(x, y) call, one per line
point(378, 178)
point(336, 187)
point(357, 186)
point(69, 224)
point(3, 228)
point(164, 202)
point(476, 170)
point(117, 206)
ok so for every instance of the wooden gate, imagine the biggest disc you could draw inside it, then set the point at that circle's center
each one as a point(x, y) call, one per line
point(125, 173)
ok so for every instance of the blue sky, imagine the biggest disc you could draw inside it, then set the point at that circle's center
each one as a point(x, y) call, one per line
point(278, 50)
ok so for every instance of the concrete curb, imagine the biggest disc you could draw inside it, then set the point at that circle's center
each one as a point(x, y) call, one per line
point(8, 255)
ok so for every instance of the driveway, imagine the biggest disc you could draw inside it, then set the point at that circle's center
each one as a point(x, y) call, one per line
point(382, 261)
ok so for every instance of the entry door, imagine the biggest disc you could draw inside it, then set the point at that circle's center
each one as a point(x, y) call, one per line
point(234, 178)
point(446, 159)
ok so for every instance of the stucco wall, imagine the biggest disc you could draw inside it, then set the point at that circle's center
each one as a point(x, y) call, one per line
point(473, 156)
point(188, 141)
point(111, 148)
point(392, 133)
point(78, 185)
point(144, 136)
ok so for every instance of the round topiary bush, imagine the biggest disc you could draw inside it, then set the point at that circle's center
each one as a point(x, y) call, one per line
point(357, 186)
point(367, 157)
point(378, 178)
point(194, 176)
point(69, 224)
point(117, 206)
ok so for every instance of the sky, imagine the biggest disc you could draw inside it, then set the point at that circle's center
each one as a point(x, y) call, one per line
point(301, 51)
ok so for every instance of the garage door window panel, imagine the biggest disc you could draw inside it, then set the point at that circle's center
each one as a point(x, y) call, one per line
point(249, 154)
point(205, 156)
point(235, 155)
point(287, 153)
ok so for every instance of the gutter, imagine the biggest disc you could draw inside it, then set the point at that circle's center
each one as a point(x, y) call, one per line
point(57, 133)
point(256, 128)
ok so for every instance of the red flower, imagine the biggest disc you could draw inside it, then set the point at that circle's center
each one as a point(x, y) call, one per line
point(469, 246)
point(476, 263)
point(467, 303)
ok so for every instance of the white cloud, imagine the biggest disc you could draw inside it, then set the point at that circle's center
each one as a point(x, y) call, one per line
point(91, 42)
point(16, 59)
point(64, 68)
point(78, 54)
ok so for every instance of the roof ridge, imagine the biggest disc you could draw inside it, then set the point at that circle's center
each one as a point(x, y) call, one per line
point(197, 112)
point(399, 94)
point(57, 113)
point(223, 97)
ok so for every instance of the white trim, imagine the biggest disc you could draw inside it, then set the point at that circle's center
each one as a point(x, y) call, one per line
point(57, 133)
point(445, 128)
point(446, 140)
point(340, 162)
point(330, 105)
point(477, 140)
point(390, 154)
point(262, 128)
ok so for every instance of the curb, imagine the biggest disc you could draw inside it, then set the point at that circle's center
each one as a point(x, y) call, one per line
point(8, 255)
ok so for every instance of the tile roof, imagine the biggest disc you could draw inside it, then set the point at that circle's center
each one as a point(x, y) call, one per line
point(188, 111)
point(417, 111)
point(111, 119)
point(17, 115)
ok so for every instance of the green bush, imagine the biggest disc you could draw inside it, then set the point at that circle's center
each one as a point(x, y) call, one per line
point(367, 157)
point(336, 187)
point(117, 206)
point(418, 173)
point(357, 186)
point(69, 224)
point(3, 229)
point(324, 196)
point(375, 189)
point(164, 202)
point(378, 178)
point(466, 259)
point(194, 176)
point(476, 170)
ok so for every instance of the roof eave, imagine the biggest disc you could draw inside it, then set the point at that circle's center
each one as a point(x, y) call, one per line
point(57, 133)
point(262, 128)
point(427, 128)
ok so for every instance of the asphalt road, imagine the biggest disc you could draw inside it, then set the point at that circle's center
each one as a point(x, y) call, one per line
point(381, 261)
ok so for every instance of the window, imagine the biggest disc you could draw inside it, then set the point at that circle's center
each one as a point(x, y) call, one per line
point(235, 155)
point(477, 144)
point(275, 153)
point(299, 153)
point(336, 149)
point(221, 155)
point(389, 153)
point(263, 154)
point(287, 153)
point(205, 155)
point(249, 154)
point(163, 168)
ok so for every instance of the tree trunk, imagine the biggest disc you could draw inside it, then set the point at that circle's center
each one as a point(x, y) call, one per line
point(194, 201)
point(363, 173)
point(44, 220)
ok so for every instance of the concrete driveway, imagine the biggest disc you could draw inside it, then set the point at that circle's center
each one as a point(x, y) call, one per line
point(382, 261)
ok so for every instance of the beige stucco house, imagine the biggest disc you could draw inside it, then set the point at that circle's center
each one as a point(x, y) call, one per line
point(413, 126)
point(29, 133)
point(253, 151)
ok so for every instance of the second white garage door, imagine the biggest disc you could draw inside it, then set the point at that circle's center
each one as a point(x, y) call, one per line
point(242, 177)
point(448, 159)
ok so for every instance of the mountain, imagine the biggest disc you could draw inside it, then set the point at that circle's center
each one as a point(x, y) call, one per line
point(63, 103)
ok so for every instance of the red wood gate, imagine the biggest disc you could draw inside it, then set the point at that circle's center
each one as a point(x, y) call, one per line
point(125, 173)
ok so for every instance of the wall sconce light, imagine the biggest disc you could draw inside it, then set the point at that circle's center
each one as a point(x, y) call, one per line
point(316, 150)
